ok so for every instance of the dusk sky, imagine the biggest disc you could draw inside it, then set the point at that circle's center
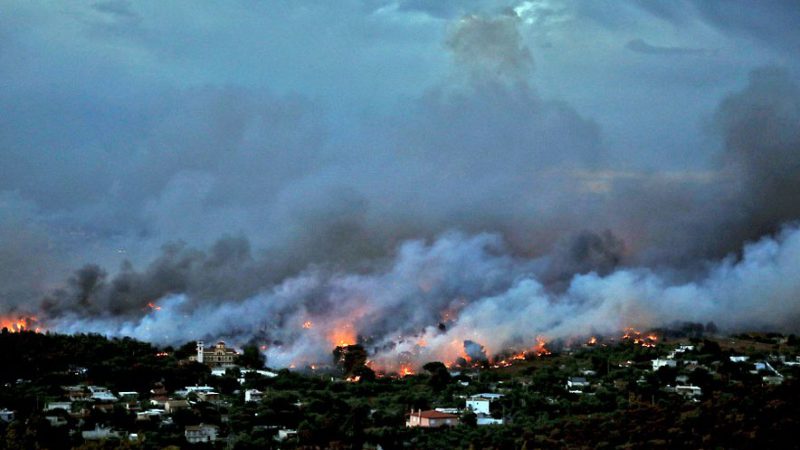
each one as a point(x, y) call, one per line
point(234, 146)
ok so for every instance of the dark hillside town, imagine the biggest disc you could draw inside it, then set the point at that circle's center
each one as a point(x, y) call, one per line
point(668, 388)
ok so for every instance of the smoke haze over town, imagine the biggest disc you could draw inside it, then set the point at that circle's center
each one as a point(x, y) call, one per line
point(428, 178)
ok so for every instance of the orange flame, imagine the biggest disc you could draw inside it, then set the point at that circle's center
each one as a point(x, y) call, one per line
point(592, 341)
point(153, 306)
point(19, 324)
point(632, 334)
point(406, 371)
point(308, 325)
point(541, 347)
point(343, 336)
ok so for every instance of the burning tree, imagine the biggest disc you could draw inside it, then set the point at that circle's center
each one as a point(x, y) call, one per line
point(350, 358)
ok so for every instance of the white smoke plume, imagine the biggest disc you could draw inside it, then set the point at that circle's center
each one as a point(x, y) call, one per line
point(480, 293)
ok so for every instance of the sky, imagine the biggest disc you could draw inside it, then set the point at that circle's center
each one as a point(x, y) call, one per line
point(211, 154)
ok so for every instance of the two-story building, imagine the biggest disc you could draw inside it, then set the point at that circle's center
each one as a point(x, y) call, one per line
point(431, 419)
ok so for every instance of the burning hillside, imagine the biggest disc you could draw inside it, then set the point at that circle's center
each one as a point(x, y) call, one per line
point(492, 304)
point(19, 324)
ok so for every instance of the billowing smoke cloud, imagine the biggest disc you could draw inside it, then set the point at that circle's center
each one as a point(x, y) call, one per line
point(479, 210)
point(489, 301)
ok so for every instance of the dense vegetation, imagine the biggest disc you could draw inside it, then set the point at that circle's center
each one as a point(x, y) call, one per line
point(627, 407)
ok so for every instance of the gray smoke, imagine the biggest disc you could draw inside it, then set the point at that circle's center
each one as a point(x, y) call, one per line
point(480, 211)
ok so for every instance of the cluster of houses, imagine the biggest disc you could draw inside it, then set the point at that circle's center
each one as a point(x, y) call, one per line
point(77, 402)
point(676, 359)
point(158, 406)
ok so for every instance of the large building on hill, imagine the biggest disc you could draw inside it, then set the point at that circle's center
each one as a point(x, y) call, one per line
point(218, 355)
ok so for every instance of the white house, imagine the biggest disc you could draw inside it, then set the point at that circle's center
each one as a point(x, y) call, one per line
point(190, 389)
point(100, 433)
point(67, 406)
point(659, 363)
point(478, 405)
point(488, 420)
point(577, 384)
point(689, 391)
point(739, 359)
point(128, 395)
point(102, 394)
point(285, 433)
point(253, 395)
point(6, 415)
point(56, 421)
point(200, 433)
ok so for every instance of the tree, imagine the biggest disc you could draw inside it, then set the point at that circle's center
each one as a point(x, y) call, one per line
point(251, 357)
point(469, 419)
point(440, 376)
point(349, 358)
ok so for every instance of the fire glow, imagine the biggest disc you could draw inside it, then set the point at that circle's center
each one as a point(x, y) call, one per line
point(19, 324)
point(342, 336)
point(638, 338)
point(406, 371)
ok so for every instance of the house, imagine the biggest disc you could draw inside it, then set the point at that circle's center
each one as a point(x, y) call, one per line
point(479, 403)
point(210, 397)
point(285, 433)
point(104, 407)
point(200, 433)
point(67, 406)
point(218, 355)
point(431, 419)
point(253, 395)
point(158, 395)
point(219, 371)
point(75, 393)
point(150, 414)
point(659, 363)
point(102, 394)
point(263, 373)
point(488, 420)
point(100, 433)
point(171, 406)
point(128, 395)
point(688, 391)
point(577, 384)
point(194, 389)
point(739, 359)
point(6, 415)
point(56, 420)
